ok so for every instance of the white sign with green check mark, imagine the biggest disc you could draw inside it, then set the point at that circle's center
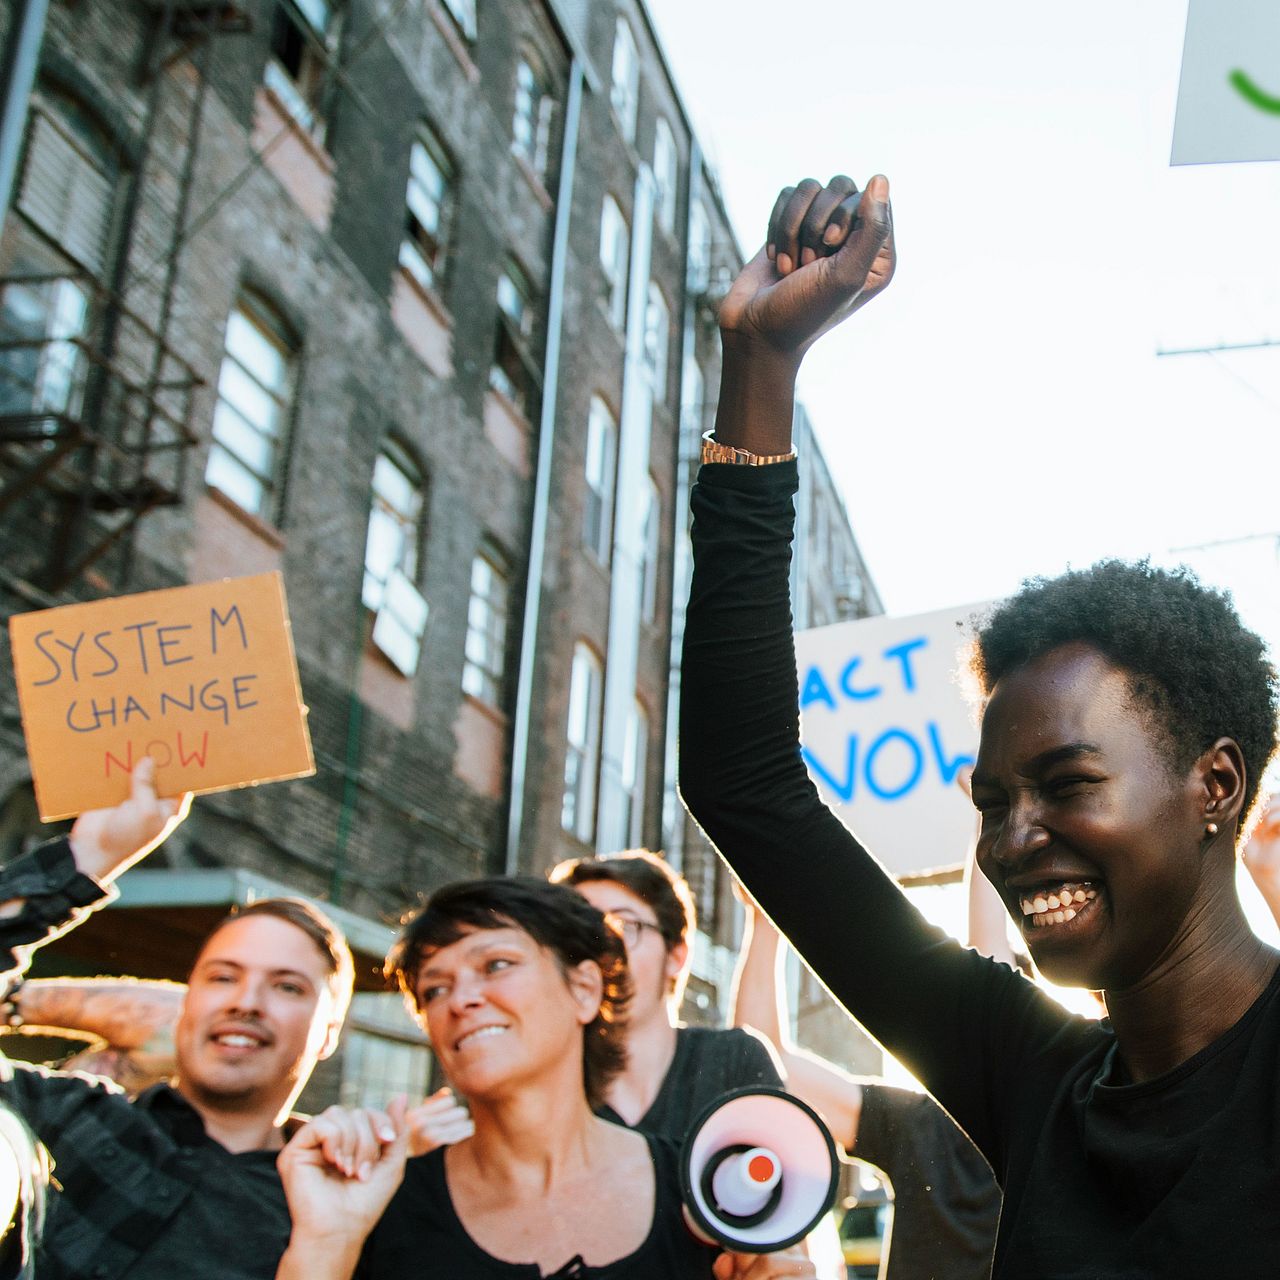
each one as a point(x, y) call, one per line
point(1229, 95)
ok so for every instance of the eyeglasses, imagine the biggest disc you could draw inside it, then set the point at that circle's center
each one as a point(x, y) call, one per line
point(630, 928)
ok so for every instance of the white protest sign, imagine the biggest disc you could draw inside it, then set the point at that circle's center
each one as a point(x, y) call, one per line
point(1229, 94)
point(885, 727)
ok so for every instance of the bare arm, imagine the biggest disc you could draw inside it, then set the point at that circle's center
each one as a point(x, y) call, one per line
point(1262, 856)
point(128, 1013)
point(759, 1001)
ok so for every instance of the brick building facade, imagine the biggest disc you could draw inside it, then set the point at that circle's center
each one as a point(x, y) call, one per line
point(412, 300)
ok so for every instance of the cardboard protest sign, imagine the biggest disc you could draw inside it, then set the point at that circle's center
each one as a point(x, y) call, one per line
point(201, 678)
point(1229, 93)
point(886, 727)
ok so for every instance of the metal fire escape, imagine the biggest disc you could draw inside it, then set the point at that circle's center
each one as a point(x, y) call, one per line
point(96, 401)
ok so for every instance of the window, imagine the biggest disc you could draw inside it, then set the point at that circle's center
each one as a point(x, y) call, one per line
point(531, 126)
point(69, 183)
point(615, 250)
point(582, 755)
point(635, 753)
point(657, 338)
point(652, 543)
point(254, 385)
point(384, 1052)
point(428, 206)
point(514, 372)
point(486, 632)
point(395, 524)
point(699, 275)
point(665, 175)
point(601, 464)
point(68, 193)
point(624, 92)
point(297, 72)
point(463, 13)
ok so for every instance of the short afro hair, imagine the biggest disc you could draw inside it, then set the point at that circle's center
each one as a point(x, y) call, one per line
point(554, 917)
point(1190, 659)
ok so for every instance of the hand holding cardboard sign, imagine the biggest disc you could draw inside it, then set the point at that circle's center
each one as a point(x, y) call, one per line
point(107, 842)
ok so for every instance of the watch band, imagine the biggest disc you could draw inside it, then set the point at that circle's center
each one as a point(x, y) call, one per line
point(714, 451)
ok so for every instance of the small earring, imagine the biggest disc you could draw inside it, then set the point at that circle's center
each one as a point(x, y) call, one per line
point(1211, 829)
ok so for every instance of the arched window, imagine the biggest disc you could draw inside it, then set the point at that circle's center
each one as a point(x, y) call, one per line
point(303, 35)
point(395, 523)
point(54, 252)
point(582, 750)
point(485, 665)
point(624, 91)
point(601, 470)
point(657, 339)
point(429, 206)
point(531, 124)
point(615, 252)
point(665, 175)
point(255, 390)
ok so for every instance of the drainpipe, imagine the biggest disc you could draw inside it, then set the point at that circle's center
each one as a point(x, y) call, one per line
point(520, 725)
point(626, 565)
point(17, 76)
point(688, 448)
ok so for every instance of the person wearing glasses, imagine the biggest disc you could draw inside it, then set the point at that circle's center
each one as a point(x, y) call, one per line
point(673, 1072)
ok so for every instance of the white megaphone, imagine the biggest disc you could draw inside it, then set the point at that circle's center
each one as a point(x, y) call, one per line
point(758, 1171)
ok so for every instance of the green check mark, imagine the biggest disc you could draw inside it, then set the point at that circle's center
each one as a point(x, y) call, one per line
point(1252, 94)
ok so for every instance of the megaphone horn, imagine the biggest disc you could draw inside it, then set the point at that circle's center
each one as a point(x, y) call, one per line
point(758, 1171)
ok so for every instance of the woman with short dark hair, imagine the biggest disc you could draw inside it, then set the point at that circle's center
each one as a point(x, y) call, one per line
point(1127, 721)
point(522, 987)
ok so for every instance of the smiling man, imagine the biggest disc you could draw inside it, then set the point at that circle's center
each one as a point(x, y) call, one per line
point(182, 1181)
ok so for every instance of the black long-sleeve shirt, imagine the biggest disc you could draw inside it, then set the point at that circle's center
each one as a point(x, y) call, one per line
point(141, 1191)
point(1177, 1176)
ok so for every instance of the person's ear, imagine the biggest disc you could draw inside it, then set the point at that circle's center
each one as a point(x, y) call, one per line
point(586, 987)
point(1221, 777)
point(677, 958)
point(333, 1033)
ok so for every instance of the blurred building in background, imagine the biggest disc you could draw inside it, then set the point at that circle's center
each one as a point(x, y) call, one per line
point(414, 301)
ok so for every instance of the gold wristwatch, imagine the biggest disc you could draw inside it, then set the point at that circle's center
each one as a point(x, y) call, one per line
point(714, 451)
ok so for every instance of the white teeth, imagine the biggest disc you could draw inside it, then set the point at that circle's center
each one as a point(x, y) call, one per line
point(1057, 907)
point(239, 1042)
point(482, 1032)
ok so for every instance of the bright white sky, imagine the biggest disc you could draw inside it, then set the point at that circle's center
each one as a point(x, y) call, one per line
point(1001, 411)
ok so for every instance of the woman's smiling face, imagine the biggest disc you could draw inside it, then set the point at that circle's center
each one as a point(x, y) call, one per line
point(1090, 835)
point(502, 1012)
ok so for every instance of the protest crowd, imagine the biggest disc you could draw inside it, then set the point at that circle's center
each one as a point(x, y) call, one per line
point(1121, 754)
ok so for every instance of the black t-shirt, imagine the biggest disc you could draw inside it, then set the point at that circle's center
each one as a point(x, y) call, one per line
point(707, 1063)
point(420, 1235)
point(1177, 1176)
point(945, 1201)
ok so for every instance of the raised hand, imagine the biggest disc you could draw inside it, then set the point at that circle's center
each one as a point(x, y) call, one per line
point(106, 842)
point(829, 251)
point(438, 1122)
point(339, 1171)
